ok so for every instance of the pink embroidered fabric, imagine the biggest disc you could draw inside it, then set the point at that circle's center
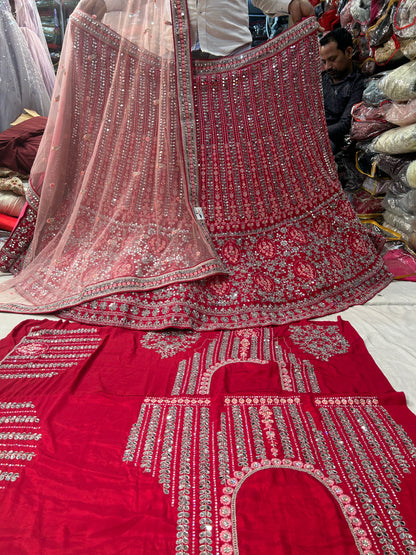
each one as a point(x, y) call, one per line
point(141, 143)
point(226, 442)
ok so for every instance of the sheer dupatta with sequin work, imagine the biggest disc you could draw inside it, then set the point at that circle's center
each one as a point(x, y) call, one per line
point(114, 184)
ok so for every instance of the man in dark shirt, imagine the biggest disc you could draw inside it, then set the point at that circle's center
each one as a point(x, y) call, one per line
point(342, 84)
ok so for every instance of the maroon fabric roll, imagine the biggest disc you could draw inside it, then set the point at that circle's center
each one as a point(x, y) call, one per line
point(19, 144)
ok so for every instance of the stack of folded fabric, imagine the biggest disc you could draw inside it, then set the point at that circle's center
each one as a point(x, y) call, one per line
point(18, 149)
point(397, 150)
point(12, 198)
point(384, 31)
point(384, 128)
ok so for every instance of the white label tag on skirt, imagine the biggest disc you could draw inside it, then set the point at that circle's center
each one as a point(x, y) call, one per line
point(199, 214)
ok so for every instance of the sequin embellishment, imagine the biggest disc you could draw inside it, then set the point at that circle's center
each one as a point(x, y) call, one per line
point(322, 343)
point(169, 343)
point(19, 435)
point(45, 353)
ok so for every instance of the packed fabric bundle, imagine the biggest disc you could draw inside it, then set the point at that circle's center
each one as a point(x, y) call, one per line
point(401, 113)
point(398, 168)
point(400, 84)
point(369, 121)
point(373, 95)
point(384, 32)
point(399, 140)
point(411, 174)
point(404, 19)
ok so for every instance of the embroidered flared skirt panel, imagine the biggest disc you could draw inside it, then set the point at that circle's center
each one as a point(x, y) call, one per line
point(246, 441)
point(267, 190)
point(271, 200)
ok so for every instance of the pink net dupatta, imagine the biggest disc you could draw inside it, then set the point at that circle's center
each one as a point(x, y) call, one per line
point(110, 185)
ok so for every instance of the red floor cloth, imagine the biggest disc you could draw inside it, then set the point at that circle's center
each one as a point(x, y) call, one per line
point(114, 441)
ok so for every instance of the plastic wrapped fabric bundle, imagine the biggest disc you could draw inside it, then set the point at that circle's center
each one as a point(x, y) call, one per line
point(401, 113)
point(369, 121)
point(404, 20)
point(382, 165)
point(394, 166)
point(408, 47)
point(376, 185)
point(400, 221)
point(346, 18)
point(402, 204)
point(388, 52)
point(361, 10)
point(360, 43)
point(400, 83)
point(366, 161)
point(378, 8)
point(382, 30)
point(373, 94)
point(399, 140)
point(411, 174)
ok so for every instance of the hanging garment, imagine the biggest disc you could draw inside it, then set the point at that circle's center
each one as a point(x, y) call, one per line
point(21, 84)
point(171, 192)
point(28, 19)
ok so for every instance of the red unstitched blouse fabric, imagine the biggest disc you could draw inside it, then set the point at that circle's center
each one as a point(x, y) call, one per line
point(256, 441)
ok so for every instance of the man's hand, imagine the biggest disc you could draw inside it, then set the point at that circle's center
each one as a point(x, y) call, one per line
point(93, 7)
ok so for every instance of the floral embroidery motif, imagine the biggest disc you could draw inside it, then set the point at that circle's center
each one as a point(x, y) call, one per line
point(169, 343)
point(266, 248)
point(297, 235)
point(321, 342)
point(304, 269)
point(231, 252)
point(323, 227)
point(246, 336)
point(32, 350)
point(263, 282)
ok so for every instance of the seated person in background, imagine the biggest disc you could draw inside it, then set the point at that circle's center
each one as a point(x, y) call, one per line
point(343, 85)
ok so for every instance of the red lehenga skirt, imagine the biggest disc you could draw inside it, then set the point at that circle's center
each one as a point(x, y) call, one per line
point(281, 241)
